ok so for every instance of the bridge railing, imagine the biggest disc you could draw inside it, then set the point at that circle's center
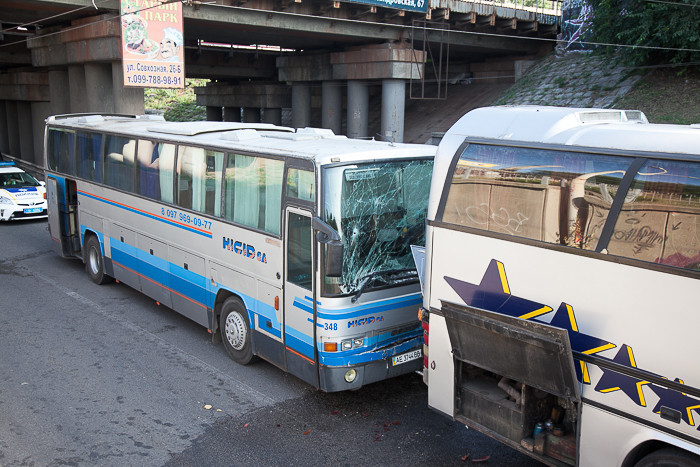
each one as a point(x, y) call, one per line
point(549, 10)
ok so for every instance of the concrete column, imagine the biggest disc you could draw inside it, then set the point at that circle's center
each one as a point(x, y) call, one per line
point(98, 87)
point(251, 115)
point(26, 133)
point(272, 115)
point(76, 82)
point(127, 100)
point(4, 137)
point(393, 105)
point(60, 92)
point(12, 128)
point(232, 114)
point(40, 110)
point(214, 114)
point(358, 109)
point(332, 106)
point(301, 105)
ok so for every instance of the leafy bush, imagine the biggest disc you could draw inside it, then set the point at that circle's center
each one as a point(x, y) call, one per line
point(177, 105)
point(662, 32)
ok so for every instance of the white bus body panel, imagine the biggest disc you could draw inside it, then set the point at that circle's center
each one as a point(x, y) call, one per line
point(635, 310)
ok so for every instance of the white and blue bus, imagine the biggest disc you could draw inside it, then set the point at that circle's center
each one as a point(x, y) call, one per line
point(293, 246)
point(561, 302)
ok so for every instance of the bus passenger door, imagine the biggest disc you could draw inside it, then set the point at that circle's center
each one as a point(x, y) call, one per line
point(62, 198)
point(298, 296)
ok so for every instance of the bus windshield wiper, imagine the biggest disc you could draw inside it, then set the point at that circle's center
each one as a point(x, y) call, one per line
point(369, 278)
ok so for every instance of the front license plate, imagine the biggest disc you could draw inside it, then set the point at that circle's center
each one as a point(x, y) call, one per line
point(32, 210)
point(406, 357)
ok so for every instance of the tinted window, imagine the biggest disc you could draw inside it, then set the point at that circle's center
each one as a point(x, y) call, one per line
point(155, 169)
point(299, 261)
point(660, 218)
point(253, 192)
point(59, 153)
point(89, 156)
point(119, 162)
point(552, 196)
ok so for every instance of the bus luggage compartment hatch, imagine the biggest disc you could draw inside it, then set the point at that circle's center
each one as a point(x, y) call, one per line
point(535, 354)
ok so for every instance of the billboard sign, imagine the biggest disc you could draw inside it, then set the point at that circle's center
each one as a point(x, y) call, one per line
point(153, 53)
point(420, 6)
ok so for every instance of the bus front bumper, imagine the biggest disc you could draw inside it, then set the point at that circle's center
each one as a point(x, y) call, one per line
point(343, 378)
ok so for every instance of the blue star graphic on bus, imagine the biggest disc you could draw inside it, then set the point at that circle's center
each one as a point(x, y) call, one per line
point(677, 400)
point(613, 381)
point(493, 294)
point(564, 318)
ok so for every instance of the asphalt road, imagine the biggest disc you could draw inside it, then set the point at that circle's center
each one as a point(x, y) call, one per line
point(102, 375)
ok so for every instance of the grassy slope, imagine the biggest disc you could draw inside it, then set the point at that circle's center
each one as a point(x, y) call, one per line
point(666, 96)
point(177, 105)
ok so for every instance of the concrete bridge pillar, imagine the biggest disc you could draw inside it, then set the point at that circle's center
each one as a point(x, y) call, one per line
point(127, 100)
point(76, 90)
point(26, 131)
point(12, 128)
point(358, 109)
point(301, 105)
point(4, 136)
point(98, 87)
point(393, 106)
point(39, 111)
point(214, 113)
point(393, 63)
point(232, 114)
point(332, 106)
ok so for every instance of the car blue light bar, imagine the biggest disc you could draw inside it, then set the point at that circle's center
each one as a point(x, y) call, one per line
point(7, 164)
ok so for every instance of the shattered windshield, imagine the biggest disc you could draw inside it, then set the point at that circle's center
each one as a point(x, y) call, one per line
point(379, 210)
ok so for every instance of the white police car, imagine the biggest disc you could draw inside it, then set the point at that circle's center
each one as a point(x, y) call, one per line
point(21, 195)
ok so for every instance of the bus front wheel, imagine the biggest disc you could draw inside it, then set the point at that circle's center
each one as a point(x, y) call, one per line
point(235, 331)
point(94, 262)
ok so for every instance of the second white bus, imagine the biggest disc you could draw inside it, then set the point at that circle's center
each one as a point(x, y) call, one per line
point(561, 285)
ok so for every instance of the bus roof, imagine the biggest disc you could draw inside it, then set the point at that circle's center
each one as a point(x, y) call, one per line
point(605, 129)
point(317, 144)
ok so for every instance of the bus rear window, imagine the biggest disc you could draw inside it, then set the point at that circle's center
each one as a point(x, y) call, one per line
point(552, 196)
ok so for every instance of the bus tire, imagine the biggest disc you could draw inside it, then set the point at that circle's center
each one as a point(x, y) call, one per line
point(669, 457)
point(235, 331)
point(94, 262)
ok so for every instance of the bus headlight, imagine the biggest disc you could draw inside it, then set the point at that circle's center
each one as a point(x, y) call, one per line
point(350, 375)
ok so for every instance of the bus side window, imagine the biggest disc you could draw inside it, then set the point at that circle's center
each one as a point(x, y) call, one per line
point(660, 218)
point(119, 162)
point(199, 179)
point(253, 192)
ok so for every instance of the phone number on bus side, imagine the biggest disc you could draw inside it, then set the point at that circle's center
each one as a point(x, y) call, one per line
point(186, 218)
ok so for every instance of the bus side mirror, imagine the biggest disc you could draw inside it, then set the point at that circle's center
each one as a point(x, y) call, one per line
point(334, 247)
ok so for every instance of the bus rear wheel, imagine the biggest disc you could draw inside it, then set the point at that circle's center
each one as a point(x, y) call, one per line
point(669, 457)
point(94, 262)
point(235, 331)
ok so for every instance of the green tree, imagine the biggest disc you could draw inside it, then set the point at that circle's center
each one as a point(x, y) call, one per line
point(662, 31)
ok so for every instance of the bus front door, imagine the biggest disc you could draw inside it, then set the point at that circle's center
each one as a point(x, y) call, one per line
point(299, 333)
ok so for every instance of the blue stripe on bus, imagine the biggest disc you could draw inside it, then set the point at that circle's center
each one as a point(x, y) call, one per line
point(360, 310)
point(186, 283)
point(164, 220)
point(299, 342)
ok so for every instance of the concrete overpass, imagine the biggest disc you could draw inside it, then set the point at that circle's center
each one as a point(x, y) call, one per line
point(327, 60)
